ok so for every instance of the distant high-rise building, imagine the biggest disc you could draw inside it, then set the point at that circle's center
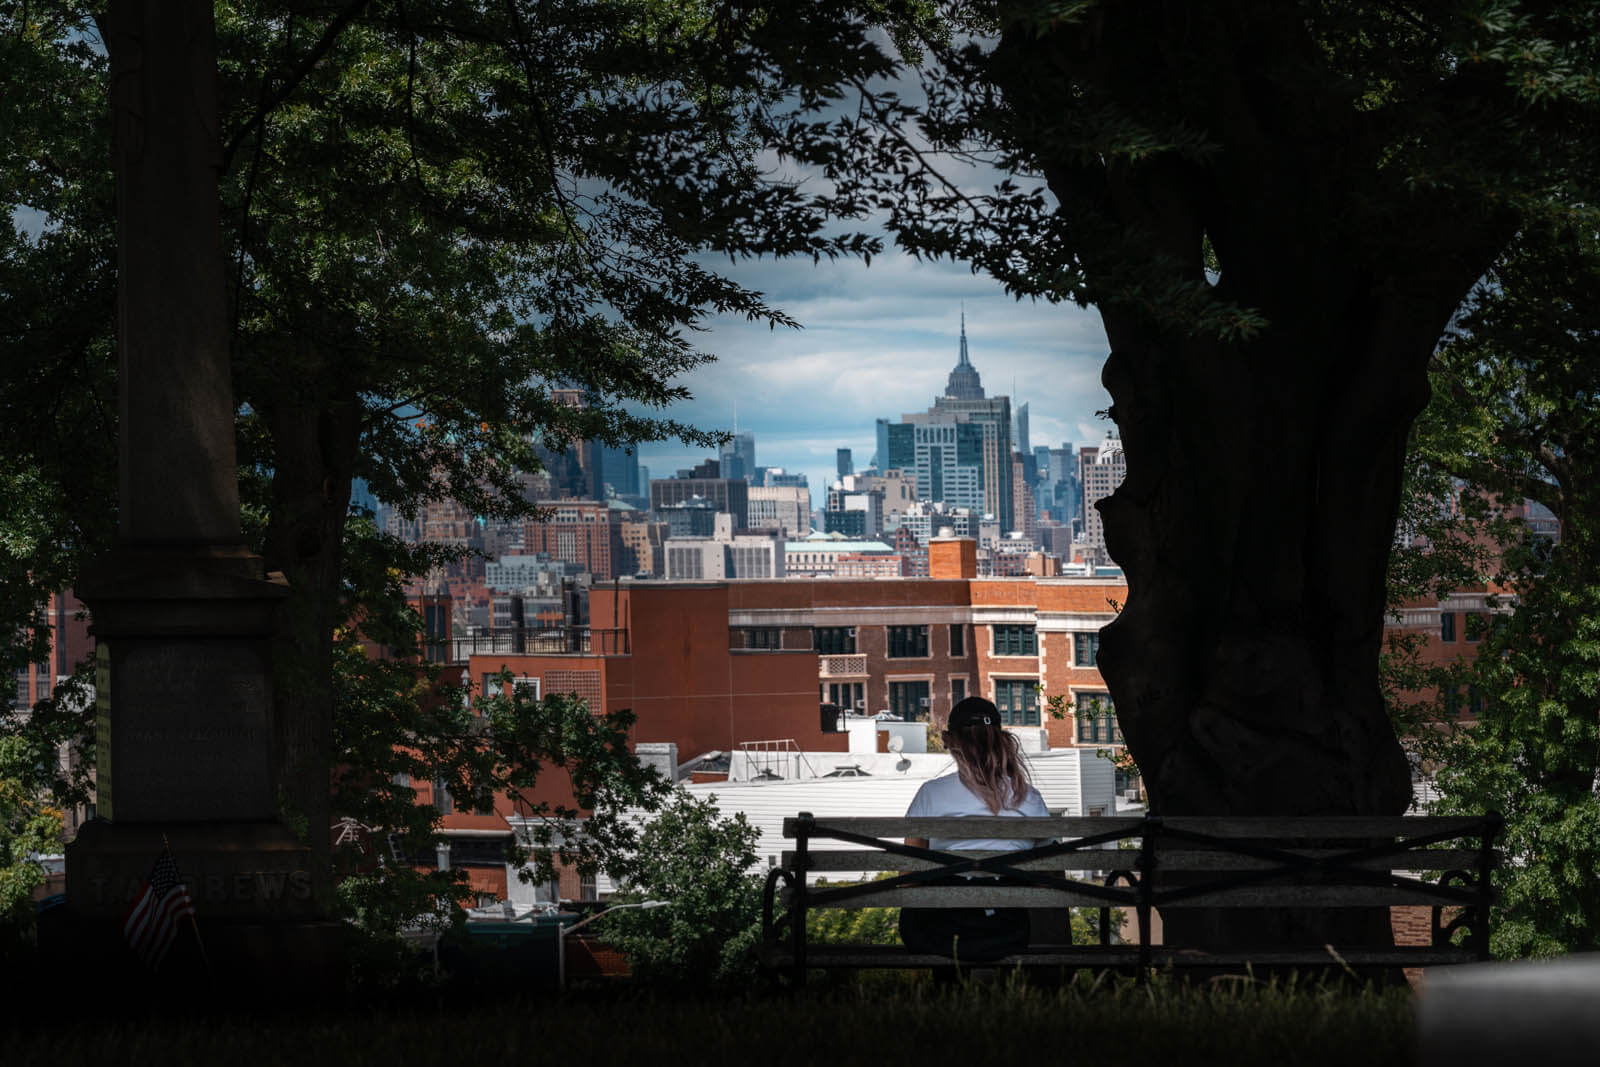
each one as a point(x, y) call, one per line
point(621, 467)
point(578, 469)
point(725, 494)
point(852, 512)
point(738, 456)
point(959, 449)
point(1102, 470)
point(576, 531)
point(845, 462)
point(963, 383)
point(777, 476)
point(694, 517)
point(1019, 426)
point(783, 507)
point(1026, 517)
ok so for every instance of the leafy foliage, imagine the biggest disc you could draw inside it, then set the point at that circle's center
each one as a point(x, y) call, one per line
point(1522, 384)
point(1514, 418)
point(699, 863)
point(437, 215)
point(400, 721)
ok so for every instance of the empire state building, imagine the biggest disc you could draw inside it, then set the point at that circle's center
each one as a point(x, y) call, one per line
point(964, 383)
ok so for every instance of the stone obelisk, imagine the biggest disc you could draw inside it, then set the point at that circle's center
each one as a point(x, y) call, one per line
point(182, 611)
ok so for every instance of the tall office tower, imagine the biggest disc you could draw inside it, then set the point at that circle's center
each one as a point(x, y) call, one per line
point(963, 383)
point(776, 476)
point(578, 469)
point(960, 449)
point(1019, 426)
point(738, 456)
point(854, 511)
point(846, 462)
point(782, 507)
point(1102, 470)
point(725, 494)
point(577, 531)
point(621, 467)
point(880, 458)
point(964, 398)
point(899, 489)
point(1025, 512)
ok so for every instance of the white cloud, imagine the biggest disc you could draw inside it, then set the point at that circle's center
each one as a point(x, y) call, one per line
point(878, 342)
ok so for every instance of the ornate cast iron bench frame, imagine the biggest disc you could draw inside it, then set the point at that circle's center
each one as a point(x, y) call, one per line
point(1305, 863)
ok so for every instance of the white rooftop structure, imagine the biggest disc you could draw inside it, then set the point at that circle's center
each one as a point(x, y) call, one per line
point(1072, 781)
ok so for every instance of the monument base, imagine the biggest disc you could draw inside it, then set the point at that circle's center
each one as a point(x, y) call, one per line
point(257, 926)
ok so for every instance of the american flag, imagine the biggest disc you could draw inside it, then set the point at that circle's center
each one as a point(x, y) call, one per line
point(152, 923)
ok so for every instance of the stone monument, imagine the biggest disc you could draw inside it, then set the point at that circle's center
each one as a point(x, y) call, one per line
point(182, 611)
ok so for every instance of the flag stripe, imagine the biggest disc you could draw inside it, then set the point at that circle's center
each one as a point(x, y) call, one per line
point(152, 922)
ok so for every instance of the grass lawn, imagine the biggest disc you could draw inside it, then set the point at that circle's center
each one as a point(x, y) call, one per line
point(868, 1023)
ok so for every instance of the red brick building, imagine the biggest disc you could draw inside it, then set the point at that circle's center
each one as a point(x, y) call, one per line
point(577, 531)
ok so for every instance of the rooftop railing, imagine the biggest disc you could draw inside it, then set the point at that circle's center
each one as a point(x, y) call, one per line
point(543, 641)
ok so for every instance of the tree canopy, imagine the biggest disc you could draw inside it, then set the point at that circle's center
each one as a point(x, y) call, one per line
point(1515, 417)
point(435, 216)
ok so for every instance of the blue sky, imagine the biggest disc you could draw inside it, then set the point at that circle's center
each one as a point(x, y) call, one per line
point(879, 341)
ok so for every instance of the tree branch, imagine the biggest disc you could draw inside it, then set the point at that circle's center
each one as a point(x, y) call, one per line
point(270, 102)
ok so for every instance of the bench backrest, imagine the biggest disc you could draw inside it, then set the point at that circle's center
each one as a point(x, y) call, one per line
point(1336, 861)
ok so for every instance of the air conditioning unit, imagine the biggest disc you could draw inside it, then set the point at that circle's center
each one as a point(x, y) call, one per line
point(861, 705)
point(922, 701)
point(852, 632)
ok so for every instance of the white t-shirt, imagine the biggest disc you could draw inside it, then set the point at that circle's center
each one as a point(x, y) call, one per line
point(948, 796)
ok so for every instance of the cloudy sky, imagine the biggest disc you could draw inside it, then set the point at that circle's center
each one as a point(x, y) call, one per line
point(878, 342)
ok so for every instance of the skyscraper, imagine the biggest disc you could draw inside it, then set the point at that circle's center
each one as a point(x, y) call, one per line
point(960, 448)
point(738, 456)
point(845, 461)
point(621, 468)
point(1102, 470)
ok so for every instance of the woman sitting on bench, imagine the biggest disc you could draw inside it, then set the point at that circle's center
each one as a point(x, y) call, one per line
point(991, 779)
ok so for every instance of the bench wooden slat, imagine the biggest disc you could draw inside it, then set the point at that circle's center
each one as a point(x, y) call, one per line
point(960, 896)
point(1024, 896)
point(1124, 956)
point(1355, 827)
point(1179, 864)
point(864, 859)
point(896, 956)
point(973, 826)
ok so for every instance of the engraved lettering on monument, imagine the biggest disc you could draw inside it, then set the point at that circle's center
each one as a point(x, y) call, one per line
point(102, 731)
point(192, 728)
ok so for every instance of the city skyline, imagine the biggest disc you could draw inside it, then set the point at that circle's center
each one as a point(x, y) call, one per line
point(879, 342)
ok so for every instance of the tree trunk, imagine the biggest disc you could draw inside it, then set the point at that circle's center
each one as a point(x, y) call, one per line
point(315, 443)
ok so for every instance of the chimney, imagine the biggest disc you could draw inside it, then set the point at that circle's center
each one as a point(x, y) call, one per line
point(952, 557)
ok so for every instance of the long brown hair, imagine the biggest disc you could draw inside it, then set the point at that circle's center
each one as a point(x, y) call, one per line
point(989, 762)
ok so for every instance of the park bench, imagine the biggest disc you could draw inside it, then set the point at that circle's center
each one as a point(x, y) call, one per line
point(1143, 865)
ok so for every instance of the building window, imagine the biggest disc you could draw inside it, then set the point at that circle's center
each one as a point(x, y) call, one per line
point(851, 696)
point(958, 691)
point(767, 637)
point(1447, 626)
point(588, 889)
point(909, 700)
point(436, 620)
point(834, 640)
point(1475, 625)
point(1018, 701)
point(1015, 641)
point(1097, 719)
point(906, 642)
point(1085, 649)
point(958, 639)
point(442, 800)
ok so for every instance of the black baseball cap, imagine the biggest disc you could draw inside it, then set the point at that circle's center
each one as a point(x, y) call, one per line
point(973, 711)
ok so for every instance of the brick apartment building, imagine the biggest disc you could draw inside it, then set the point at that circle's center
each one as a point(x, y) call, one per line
point(577, 531)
